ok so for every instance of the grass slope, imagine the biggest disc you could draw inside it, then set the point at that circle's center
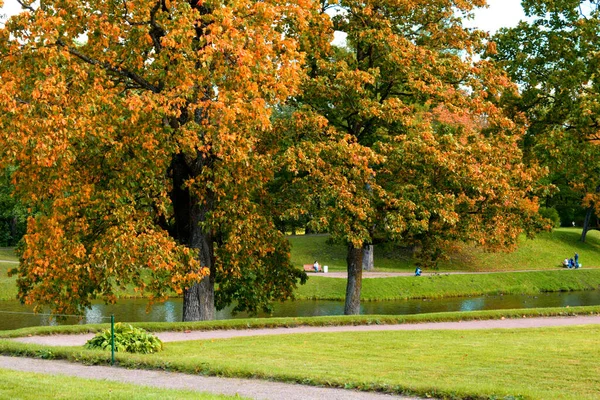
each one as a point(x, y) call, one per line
point(453, 285)
point(547, 250)
point(32, 386)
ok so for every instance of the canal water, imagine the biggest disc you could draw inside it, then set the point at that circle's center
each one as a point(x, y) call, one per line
point(13, 315)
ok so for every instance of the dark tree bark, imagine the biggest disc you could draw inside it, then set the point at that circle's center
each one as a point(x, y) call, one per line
point(586, 223)
point(588, 218)
point(199, 299)
point(354, 285)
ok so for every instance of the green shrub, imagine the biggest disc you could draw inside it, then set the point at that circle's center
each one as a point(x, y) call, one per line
point(552, 215)
point(127, 338)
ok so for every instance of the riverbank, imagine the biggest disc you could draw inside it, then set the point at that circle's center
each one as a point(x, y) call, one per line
point(470, 272)
point(292, 322)
point(320, 287)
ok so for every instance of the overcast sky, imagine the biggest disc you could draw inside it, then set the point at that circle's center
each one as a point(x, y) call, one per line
point(500, 13)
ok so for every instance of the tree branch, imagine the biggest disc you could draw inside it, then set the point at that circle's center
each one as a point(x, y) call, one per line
point(25, 6)
point(117, 70)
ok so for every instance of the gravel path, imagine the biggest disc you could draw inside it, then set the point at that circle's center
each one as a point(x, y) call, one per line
point(255, 389)
point(79, 340)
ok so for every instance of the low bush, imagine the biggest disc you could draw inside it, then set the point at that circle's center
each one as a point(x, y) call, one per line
point(552, 215)
point(128, 339)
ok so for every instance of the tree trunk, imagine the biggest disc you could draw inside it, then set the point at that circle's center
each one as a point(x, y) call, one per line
point(588, 217)
point(586, 223)
point(367, 261)
point(199, 299)
point(13, 230)
point(307, 230)
point(354, 285)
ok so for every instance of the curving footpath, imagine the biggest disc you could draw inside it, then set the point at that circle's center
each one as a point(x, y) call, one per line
point(250, 388)
point(511, 323)
point(255, 389)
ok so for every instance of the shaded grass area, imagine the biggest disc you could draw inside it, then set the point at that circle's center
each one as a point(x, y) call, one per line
point(547, 250)
point(8, 285)
point(338, 320)
point(7, 253)
point(548, 363)
point(33, 386)
point(454, 285)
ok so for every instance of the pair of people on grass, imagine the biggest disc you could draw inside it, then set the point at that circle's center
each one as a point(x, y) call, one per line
point(572, 262)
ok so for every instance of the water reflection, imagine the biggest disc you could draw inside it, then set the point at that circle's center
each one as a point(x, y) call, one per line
point(135, 310)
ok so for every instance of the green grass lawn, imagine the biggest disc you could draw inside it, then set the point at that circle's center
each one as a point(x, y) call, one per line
point(8, 285)
point(546, 251)
point(32, 386)
point(552, 363)
point(545, 363)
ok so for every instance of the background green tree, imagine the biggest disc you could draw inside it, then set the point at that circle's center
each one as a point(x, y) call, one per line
point(555, 60)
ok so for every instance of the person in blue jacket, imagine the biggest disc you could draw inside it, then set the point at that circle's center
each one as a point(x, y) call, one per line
point(418, 271)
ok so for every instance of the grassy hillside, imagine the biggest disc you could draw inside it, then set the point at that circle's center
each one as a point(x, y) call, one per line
point(546, 251)
point(453, 285)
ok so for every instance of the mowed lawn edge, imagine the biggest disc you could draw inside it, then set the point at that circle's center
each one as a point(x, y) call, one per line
point(532, 363)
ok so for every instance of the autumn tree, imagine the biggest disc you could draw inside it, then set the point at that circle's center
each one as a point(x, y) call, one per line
point(399, 137)
point(138, 130)
point(554, 57)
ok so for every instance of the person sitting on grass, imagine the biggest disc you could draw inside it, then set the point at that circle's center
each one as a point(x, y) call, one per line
point(571, 263)
point(566, 263)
